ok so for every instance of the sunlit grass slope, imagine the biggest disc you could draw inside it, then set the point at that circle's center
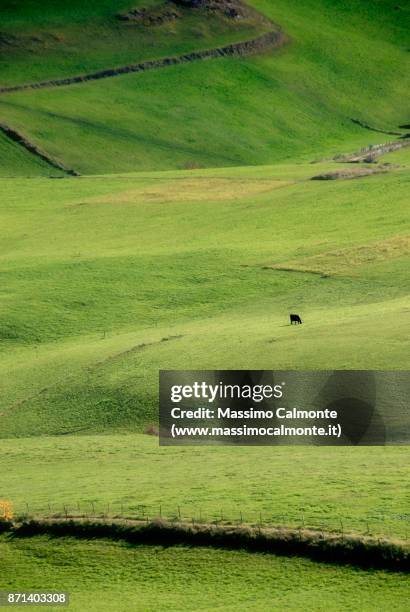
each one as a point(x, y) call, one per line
point(103, 575)
point(47, 40)
point(346, 59)
point(129, 475)
point(106, 280)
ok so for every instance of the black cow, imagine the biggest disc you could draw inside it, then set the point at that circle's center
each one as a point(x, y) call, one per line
point(295, 319)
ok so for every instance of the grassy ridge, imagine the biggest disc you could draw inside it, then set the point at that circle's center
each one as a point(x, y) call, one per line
point(336, 548)
point(15, 161)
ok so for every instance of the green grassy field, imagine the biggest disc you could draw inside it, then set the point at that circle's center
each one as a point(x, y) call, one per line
point(129, 475)
point(134, 280)
point(102, 575)
point(97, 272)
point(169, 253)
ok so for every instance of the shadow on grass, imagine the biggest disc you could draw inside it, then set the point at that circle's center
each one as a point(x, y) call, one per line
point(360, 551)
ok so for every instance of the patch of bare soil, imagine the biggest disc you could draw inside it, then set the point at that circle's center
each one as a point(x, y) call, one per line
point(151, 430)
point(350, 173)
point(174, 9)
point(235, 9)
point(12, 43)
point(152, 16)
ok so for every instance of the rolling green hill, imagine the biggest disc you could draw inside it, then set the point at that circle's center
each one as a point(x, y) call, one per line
point(108, 279)
point(62, 40)
point(345, 60)
point(191, 234)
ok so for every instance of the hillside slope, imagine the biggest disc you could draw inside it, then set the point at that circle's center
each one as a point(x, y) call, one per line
point(15, 160)
point(149, 260)
point(108, 279)
point(346, 60)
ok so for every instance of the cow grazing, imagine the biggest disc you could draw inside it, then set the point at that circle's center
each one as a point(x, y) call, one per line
point(295, 319)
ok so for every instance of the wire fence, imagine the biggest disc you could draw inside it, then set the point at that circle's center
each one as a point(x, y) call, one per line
point(377, 524)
